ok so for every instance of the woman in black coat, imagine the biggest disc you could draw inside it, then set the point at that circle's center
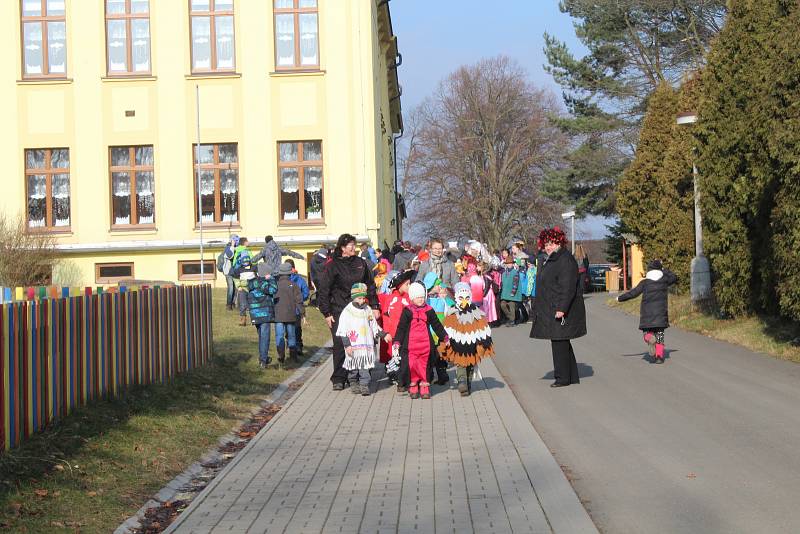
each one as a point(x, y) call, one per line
point(653, 312)
point(558, 310)
point(343, 270)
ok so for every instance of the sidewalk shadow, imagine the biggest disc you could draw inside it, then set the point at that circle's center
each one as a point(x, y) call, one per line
point(492, 383)
point(584, 370)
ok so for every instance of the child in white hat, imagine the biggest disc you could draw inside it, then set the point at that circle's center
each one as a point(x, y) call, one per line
point(415, 342)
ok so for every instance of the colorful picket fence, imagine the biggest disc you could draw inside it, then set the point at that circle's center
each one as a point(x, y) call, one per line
point(57, 354)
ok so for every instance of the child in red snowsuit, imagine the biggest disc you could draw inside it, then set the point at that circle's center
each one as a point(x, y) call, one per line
point(415, 342)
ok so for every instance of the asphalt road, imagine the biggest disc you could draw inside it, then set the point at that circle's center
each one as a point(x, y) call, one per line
point(707, 442)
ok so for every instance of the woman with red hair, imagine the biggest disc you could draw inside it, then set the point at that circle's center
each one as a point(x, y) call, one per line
point(558, 311)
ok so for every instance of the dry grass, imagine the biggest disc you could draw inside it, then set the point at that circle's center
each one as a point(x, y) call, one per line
point(98, 466)
point(769, 335)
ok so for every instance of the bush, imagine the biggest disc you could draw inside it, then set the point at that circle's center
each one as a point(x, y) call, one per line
point(673, 240)
point(26, 258)
point(639, 192)
point(748, 158)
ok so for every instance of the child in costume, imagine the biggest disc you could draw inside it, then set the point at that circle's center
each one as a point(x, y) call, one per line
point(392, 305)
point(470, 338)
point(653, 314)
point(359, 331)
point(438, 299)
point(414, 341)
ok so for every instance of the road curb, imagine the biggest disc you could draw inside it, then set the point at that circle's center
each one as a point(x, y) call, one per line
point(558, 499)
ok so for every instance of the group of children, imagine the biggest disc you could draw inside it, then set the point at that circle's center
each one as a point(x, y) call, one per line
point(424, 327)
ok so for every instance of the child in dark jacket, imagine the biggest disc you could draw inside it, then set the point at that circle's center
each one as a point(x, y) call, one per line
point(288, 310)
point(414, 341)
point(653, 314)
point(261, 305)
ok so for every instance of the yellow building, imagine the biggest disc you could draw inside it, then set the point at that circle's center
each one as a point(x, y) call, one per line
point(298, 111)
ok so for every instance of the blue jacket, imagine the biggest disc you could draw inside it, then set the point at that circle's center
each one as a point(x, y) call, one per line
point(511, 285)
point(302, 284)
point(261, 300)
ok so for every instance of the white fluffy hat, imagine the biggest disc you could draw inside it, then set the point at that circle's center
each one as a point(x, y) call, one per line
point(416, 290)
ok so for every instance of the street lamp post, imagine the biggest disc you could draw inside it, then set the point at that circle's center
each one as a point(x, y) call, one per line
point(571, 216)
point(700, 268)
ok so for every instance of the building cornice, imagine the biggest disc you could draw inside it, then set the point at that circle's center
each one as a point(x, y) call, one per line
point(189, 244)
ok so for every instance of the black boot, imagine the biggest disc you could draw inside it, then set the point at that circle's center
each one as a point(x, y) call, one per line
point(281, 354)
point(293, 354)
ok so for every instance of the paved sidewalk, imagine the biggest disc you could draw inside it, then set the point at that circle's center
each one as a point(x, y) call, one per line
point(337, 462)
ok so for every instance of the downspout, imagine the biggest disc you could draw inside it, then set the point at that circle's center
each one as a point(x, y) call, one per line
point(397, 220)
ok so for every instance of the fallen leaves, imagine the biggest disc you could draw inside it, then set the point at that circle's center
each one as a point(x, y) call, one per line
point(41, 492)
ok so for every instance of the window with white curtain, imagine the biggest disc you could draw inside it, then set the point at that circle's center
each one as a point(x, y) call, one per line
point(132, 186)
point(44, 38)
point(213, 40)
point(47, 188)
point(217, 183)
point(128, 37)
point(296, 34)
point(300, 181)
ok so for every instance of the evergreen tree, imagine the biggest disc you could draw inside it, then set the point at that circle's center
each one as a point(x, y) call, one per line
point(673, 241)
point(639, 191)
point(634, 46)
point(738, 182)
point(782, 74)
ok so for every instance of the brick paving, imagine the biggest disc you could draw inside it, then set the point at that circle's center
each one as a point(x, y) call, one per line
point(338, 462)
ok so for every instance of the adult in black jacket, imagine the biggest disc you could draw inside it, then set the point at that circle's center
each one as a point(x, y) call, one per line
point(338, 277)
point(559, 312)
point(653, 312)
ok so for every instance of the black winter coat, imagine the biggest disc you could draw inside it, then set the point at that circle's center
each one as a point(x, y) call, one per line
point(337, 280)
point(317, 266)
point(558, 288)
point(653, 313)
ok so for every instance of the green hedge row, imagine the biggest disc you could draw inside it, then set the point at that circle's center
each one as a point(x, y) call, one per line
point(746, 145)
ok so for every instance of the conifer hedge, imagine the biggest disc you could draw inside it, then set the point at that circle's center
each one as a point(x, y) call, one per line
point(639, 192)
point(747, 140)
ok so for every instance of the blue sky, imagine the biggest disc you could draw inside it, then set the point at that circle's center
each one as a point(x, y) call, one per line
point(437, 36)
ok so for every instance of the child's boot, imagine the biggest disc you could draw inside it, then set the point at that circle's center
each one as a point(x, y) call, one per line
point(293, 354)
point(365, 390)
point(659, 352)
point(281, 354)
point(461, 378)
point(425, 390)
point(650, 339)
point(413, 391)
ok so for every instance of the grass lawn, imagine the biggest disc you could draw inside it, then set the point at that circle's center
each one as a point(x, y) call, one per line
point(97, 467)
point(760, 334)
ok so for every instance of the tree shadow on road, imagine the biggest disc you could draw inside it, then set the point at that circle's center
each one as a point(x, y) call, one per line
point(584, 370)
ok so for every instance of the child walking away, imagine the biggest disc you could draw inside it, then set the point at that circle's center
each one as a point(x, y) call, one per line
point(414, 341)
point(261, 304)
point(242, 274)
point(653, 314)
point(288, 310)
point(470, 338)
point(359, 331)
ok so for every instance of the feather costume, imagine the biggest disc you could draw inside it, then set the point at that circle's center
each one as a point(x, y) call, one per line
point(470, 336)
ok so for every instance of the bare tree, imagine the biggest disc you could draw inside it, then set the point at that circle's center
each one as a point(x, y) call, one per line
point(477, 151)
point(27, 257)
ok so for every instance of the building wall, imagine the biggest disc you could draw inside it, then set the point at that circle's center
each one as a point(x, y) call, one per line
point(341, 104)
